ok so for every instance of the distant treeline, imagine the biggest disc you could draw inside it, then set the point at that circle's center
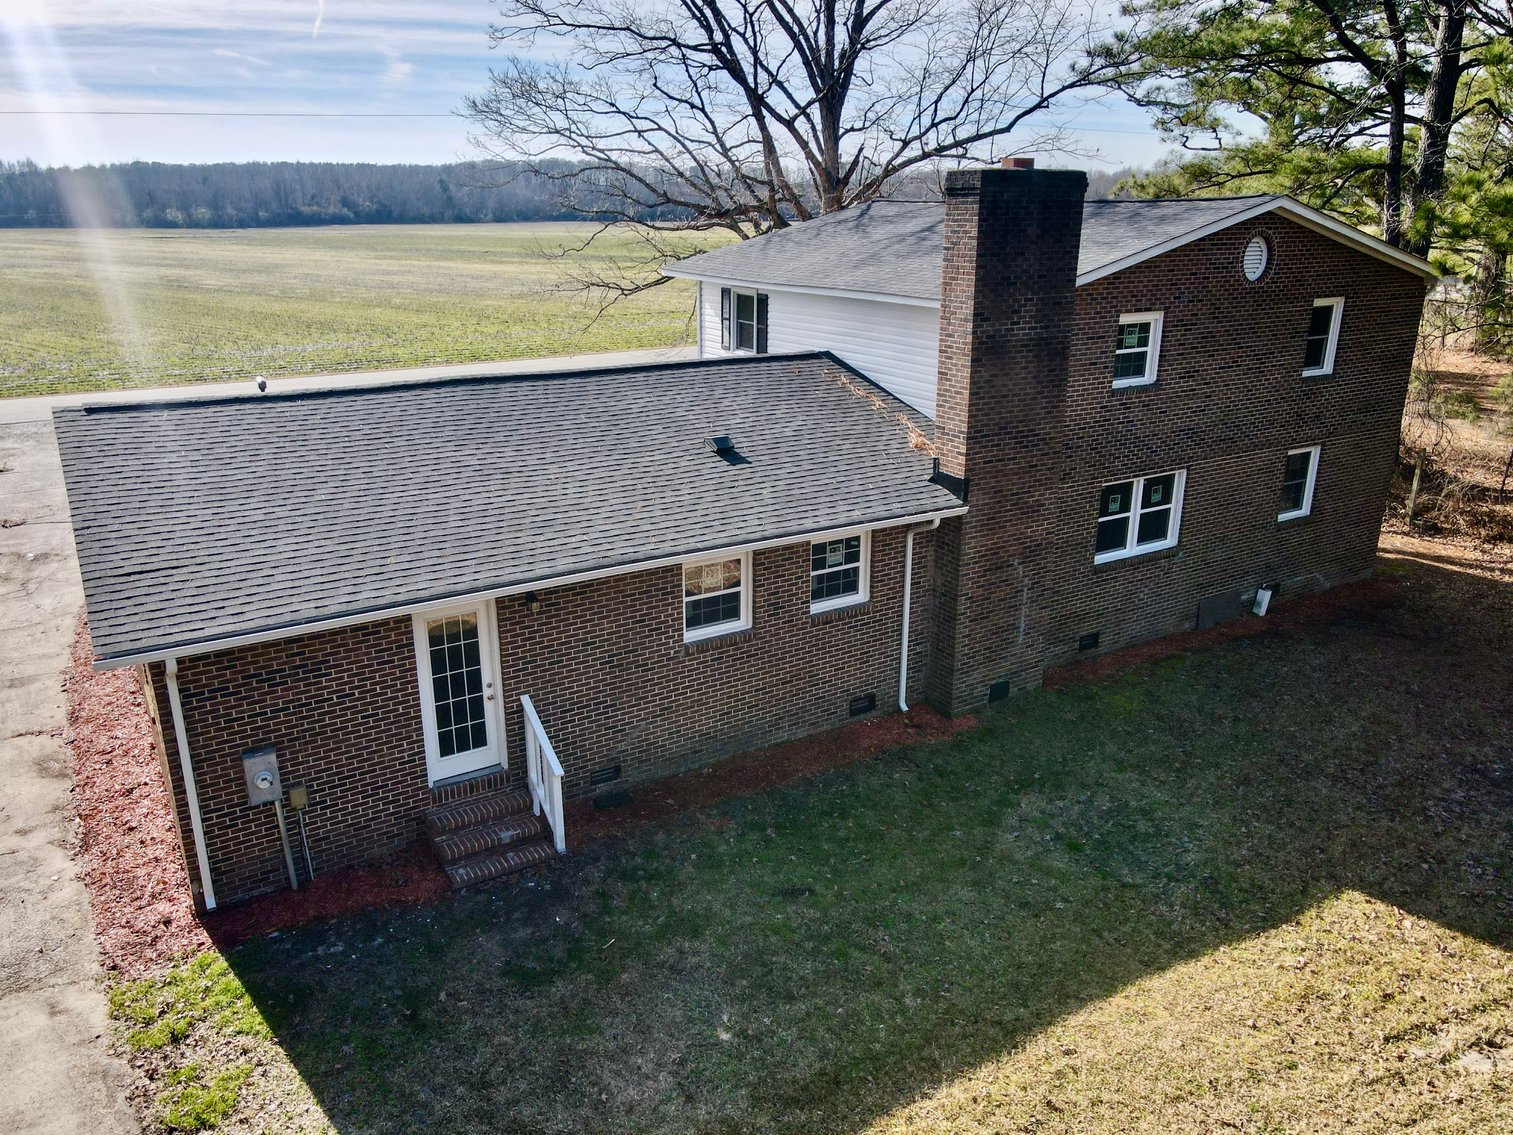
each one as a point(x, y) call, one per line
point(256, 194)
point(253, 194)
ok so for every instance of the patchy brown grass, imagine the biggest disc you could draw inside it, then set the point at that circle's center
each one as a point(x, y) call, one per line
point(1264, 886)
point(1303, 1028)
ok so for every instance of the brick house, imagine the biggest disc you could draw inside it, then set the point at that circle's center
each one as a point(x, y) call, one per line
point(930, 450)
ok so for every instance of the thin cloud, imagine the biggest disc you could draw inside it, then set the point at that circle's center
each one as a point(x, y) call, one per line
point(320, 14)
point(226, 54)
point(397, 70)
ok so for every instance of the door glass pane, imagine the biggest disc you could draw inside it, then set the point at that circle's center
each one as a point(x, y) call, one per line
point(457, 681)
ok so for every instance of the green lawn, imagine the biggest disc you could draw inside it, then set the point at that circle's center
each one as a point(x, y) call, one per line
point(90, 310)
point(1266, 887)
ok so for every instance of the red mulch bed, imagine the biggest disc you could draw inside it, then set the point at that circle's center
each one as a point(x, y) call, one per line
point(133, 865)
point(406, 878)
point(753, 772)
point(132, 861)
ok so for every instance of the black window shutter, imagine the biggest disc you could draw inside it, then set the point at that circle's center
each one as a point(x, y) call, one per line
point(761, 316)
point(725, 319)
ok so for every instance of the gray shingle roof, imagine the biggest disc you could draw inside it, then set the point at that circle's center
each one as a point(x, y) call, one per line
point(198, 521)
point(895, 247)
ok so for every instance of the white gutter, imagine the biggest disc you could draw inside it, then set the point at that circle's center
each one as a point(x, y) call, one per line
point(273, 634)
point(191, 795)
point(903, 650)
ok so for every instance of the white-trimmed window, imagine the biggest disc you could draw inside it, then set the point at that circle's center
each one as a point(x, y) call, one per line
point(716, 596)
point(1139, 515)
point(743, 321)
point(1137, 347)
point(1323, 336)
point(1298, 477)
point(838, 571)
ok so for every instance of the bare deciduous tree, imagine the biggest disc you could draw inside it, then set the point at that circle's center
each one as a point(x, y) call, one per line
point(745, 115)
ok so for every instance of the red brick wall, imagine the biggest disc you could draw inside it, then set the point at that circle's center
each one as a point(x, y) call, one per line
point(607, 668)
point(1229, 402)
point(343, 709)
point(604, 662)
point(1007, 321)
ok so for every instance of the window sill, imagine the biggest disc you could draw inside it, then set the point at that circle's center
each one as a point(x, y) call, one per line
point(1293, 517)
point(715, 641)
point(839, 611)
point(1132, 383)
point(1318, 373)
point(1142, 556)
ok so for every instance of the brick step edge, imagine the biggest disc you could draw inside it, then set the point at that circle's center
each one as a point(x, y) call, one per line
point(475, 811)
point(495, 864)
point(485, 837)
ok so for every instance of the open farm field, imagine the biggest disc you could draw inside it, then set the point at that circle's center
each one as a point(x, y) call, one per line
point(101, 309)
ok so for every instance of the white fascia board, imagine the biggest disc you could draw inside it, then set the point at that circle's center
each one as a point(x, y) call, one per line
point(293, 630)
point(1296, 211)
point(839, 293)
point(1349, 234)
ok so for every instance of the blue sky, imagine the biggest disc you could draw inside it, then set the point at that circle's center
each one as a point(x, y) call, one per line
point(213, 80)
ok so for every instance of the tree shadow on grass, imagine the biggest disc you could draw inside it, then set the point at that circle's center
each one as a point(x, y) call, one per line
point(810, 958)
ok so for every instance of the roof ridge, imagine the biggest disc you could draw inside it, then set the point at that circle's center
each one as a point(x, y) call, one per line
point(91, 408)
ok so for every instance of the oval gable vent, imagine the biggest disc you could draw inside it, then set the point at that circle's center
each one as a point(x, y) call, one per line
point(1257, 256)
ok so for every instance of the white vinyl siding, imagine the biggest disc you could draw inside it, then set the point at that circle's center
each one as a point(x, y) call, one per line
point(893, 344)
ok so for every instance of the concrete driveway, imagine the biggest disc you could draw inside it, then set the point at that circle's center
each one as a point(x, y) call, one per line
point(56, 1071)
point(57, 1074)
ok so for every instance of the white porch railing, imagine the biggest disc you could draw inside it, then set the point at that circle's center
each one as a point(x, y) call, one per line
point(544, 772)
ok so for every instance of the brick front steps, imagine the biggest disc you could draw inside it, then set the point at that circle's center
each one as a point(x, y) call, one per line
point(485, 836)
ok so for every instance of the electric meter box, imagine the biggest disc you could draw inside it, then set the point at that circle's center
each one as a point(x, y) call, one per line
point(260, 766)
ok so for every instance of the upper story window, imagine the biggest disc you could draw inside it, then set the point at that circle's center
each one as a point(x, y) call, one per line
point(1137, 346)
point(838, 572)
point(716, 597)
point(743, 321)
point(1323, 336)
point(1138, 516)
point(1298, 476)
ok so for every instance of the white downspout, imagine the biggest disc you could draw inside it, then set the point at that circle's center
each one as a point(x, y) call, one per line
point(903, 652)
point(181, 740)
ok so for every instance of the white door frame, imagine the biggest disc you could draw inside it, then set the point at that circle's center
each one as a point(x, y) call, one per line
point(495, 753)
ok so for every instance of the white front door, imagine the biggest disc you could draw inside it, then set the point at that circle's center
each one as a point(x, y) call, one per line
point(458, 653)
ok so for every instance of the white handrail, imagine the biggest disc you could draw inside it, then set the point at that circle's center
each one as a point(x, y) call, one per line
point(543, 772)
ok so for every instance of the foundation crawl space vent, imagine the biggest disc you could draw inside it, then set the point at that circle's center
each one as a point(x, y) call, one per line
point(603, 775)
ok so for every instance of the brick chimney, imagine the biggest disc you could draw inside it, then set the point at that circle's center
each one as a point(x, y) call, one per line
point(1008, 283)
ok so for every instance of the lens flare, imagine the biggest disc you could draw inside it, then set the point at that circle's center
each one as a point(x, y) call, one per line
point(93, 198)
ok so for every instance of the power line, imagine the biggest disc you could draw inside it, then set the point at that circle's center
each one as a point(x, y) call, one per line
point(383, 114)
point(241, 113)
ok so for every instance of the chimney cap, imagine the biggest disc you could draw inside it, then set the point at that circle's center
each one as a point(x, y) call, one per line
point(1017, 163)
